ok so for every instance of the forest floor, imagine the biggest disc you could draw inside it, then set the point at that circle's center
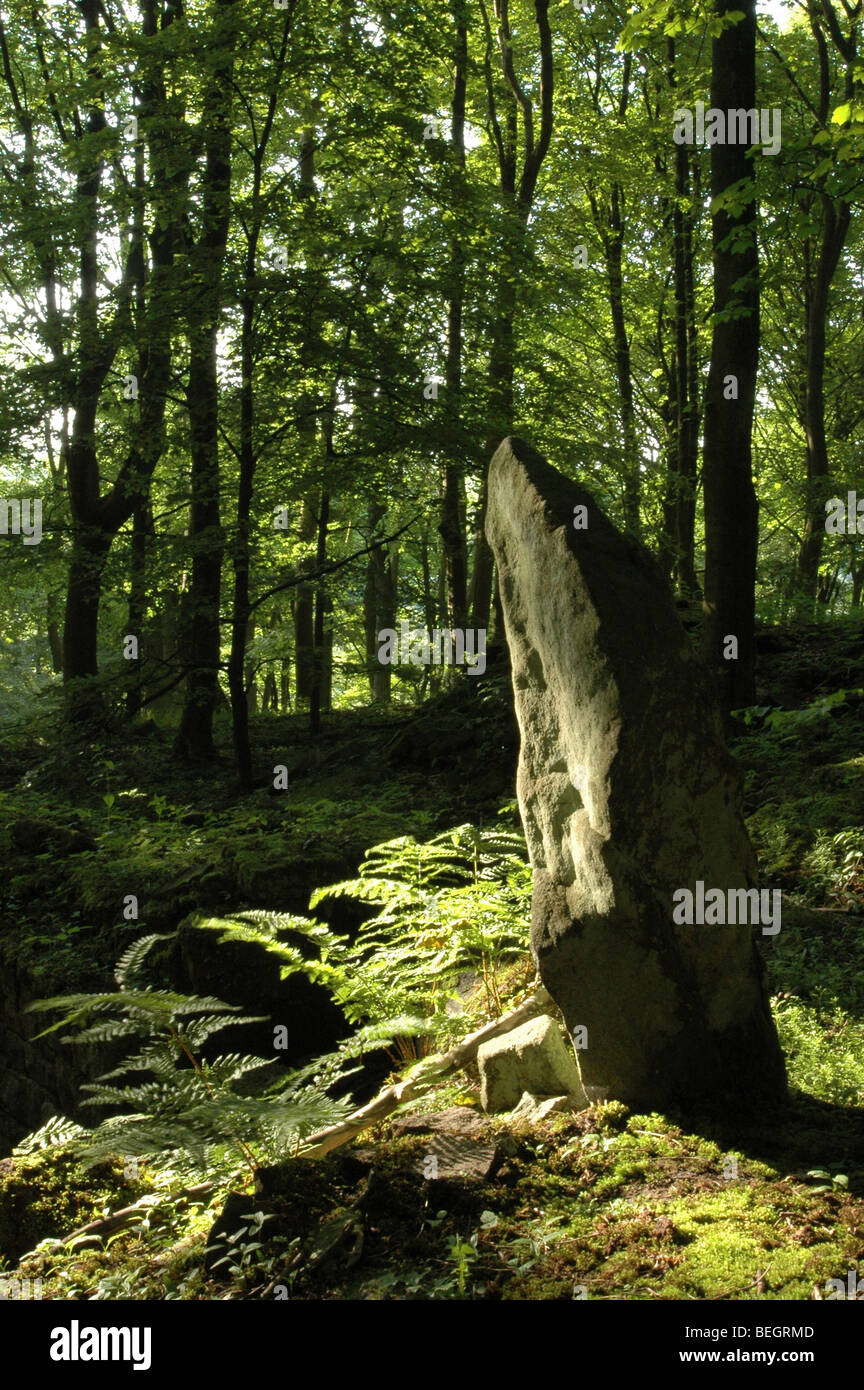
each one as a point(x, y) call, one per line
point(603, 1204)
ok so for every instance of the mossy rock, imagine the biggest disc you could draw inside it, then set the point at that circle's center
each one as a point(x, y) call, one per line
point(51, 1194)
point(29, 837)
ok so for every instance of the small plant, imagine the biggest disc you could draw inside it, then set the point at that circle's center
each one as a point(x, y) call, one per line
point(108, 796)
point(463, 1254)
point(239, 1263)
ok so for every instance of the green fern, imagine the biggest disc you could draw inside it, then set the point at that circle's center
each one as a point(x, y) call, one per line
point(458, 902)
point(165, 1098)
point(57, 1131)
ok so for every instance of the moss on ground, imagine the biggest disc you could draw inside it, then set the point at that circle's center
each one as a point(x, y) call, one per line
point(597, 1205)
point(51, 1194)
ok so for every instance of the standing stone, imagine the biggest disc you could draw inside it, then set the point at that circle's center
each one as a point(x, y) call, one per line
point(627, 793)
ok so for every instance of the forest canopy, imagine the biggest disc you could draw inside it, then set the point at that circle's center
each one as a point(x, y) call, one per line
point(277, 280)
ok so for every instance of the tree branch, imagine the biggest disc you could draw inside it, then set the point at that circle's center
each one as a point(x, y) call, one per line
point(308, 576)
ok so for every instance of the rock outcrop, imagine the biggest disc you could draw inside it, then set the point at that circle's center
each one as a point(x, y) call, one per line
point(627, 793)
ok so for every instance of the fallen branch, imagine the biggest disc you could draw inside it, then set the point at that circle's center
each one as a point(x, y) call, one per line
point(126, 1216)
point(429, 1071)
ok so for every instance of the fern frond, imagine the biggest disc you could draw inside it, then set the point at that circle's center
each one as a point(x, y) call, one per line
point(56, 1131)
point(130, 964)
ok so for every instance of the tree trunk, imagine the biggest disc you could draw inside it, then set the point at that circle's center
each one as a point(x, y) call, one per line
point(90, 547)
point(304, 602)
point(687, 383)
point(97, 519)
point(731, 517)
point(835, 218)
point(250, 671)
point(452, 527)
point(203, 634)
point(240, 608)
point(614, 243)
point(835, 225)
point(321, 605)
point(142, 529)
point(202, 643)
point(55, 640)
point(374, 605)
point(241, 688)
point(517, 195)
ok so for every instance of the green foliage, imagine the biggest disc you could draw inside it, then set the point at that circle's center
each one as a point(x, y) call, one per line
point(836, 866)
point(205, 1112)
point(56, 1131)
point(824, 1050)
point(457, 902)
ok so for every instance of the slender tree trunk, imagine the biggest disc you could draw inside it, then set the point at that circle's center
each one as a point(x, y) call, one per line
point(452, 527)
point(251, 671)
point(517, 195)
point(430, 676)
point(304, 602)
point(731, 517)
point(687, 389)
point(270, 694)
point(203, 633)
point(315, 701)
point(501, 371)
point(380, 612)
point(835, 225)
point(835, 218)
point(142, 529)
point(304, 606)
point(55, 640)
point(240, 608)
point(202, 629)
point(614, 242)
point(242, 690)
point(682, 418)
point(375, 609)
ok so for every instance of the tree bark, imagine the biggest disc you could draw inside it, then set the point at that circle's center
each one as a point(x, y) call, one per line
point(319, 682)
point(142, 529)
point(241, 692)
point(731, 517)
point(452, 527)
point(202, 628)
point(835, 219)
point(517, 196)
point(686, 375)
